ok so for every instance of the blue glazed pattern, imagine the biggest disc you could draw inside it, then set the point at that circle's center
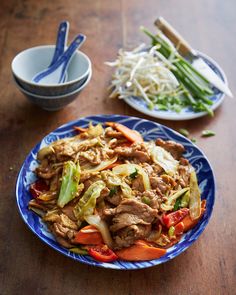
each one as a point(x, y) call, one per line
point(150, 130)
point(186, 113)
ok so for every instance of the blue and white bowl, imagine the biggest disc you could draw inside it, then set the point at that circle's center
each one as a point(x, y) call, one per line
point(31, 61)
point(150, 130)
point(57, 102)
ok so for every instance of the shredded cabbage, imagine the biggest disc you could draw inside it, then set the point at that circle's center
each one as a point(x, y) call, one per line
point(87, 203)
point(69, 184)
point(164, 159)
point(127, 169)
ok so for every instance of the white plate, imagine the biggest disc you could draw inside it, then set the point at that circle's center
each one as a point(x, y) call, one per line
point(187, 113)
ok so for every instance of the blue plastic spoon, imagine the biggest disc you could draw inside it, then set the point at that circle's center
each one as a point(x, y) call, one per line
point(55, 73)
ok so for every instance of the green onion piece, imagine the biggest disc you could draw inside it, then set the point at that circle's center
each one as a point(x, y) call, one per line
point(134, 174)
point(185, 200)
point(207, 133)
point(177, 204)
point(113, 191)
point(171, 231)
point(146, 200)
point(193, 139)
point(184, 132)
point(79, 251)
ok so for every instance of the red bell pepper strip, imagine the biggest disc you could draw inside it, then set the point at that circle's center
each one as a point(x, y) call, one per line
point(102, 253)
point(38, 187)
point(174, 217)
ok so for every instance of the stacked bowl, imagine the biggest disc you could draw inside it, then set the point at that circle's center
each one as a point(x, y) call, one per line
point(50, 97)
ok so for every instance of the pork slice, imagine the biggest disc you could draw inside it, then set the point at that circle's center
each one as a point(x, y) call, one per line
point(125, 219)
point(135, 151)
point(135, 207)
point(176, 149)
point(137, 184)
point(128, 235)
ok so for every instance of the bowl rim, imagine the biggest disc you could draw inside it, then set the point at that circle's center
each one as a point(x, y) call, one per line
point(50, 85)
point(55, 96)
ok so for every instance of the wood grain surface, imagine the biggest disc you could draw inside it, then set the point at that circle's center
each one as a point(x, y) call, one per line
point(28, 266)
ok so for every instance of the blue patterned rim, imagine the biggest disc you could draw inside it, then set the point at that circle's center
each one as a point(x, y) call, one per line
point(187, 113)
point(150, 130)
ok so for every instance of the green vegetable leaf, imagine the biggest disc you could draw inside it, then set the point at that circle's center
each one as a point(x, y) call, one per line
point(113, 191)
point(134, 174)
point(177, 204)
point(171, 231)
point(87, 202)
point(69, 184)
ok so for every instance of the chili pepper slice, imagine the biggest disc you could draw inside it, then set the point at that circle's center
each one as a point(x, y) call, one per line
point(174, 217)
point(102, 253)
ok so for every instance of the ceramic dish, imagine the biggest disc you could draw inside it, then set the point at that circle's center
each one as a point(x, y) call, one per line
point(53, 103)
point(187, 113)
point(29, 62)
point(150, 131)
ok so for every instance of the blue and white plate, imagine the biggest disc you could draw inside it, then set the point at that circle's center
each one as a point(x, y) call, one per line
point(187, 113)
point(150, 131)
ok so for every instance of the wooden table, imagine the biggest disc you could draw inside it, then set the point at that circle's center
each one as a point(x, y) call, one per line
point(28, 266)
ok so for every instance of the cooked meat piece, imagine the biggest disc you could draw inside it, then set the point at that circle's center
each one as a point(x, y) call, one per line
point(168, 180)
point(92, 156)
point(91, 180)
point(137, 184)
point(86, 175)
point(125, 219)
point(176, 149)
point(128, 235)
point(113, 133)
point(63, 231)
point(137, 151)
point(183, 175)
point(115, 199)
point(105, 192)
point(183, 161)
point(46, 172)
point(135, 207)
point(158, 183)
point(64, 241)
point(67, 222)
point(147, 168)
point(68, 210)
point(154, 197)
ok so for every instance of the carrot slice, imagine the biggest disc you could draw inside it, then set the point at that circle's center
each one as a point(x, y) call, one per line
point(88, 235)
point(140, 252)
point(131, 135)
point(80, 129)
point(188, 223)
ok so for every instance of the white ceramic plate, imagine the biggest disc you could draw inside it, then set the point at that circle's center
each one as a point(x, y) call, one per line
point(187, 113)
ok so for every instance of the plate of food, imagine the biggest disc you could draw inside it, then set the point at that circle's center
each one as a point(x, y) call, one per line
point(157, 81)
point(116, 192)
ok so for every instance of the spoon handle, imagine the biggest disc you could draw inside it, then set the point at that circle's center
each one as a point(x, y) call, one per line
point(62, 35)
point(66, 57)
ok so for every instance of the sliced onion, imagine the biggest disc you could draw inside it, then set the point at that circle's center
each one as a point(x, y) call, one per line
point(127, 169)
point(195, 197)
point(103, 165)
point(102, 227)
